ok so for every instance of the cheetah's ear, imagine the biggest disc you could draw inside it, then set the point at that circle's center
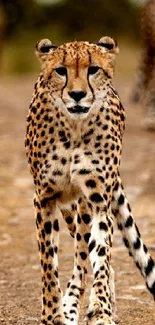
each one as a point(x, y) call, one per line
point(43, 48)
point(108, 44)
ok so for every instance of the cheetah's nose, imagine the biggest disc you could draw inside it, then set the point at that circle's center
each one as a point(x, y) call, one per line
point(77, 95)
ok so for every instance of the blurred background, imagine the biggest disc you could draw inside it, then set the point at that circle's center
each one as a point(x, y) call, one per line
point(22, 24)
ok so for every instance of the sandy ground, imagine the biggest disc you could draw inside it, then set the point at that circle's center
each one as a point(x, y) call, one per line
point(20, 280)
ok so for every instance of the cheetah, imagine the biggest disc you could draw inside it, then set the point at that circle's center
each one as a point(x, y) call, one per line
point(73, 143)
point(145, 83)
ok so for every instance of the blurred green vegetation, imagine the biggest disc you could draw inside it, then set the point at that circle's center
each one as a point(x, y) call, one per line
point(27, 21)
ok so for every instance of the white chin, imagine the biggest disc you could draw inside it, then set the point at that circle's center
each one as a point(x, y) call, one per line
point(74, 112)
point(76, 116)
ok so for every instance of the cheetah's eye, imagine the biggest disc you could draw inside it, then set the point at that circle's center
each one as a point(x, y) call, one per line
point(62, 71)
point(93, 69)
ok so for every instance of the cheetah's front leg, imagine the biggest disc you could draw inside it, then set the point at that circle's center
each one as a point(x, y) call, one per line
point(77, 284)
point(83, 231)
point(47, 234)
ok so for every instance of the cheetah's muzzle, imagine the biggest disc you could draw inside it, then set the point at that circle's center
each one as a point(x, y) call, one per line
point(78, 109)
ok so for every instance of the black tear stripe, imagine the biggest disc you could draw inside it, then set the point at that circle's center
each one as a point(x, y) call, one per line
point(90, 61)
point(64, 59)
point(91, 88)
point(106, 73)
point(64, 85)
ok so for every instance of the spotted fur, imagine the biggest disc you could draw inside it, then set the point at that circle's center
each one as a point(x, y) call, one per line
point(73, 143)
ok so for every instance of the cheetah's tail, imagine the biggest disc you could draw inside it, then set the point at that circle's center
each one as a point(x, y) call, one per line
point(132, 237)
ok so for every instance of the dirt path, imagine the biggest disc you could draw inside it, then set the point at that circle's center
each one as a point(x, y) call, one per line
point(20, 281)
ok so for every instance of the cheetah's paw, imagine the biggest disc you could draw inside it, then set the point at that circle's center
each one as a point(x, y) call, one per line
point(95, 316)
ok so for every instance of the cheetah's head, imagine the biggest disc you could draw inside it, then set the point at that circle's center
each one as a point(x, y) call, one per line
point(77, 73)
